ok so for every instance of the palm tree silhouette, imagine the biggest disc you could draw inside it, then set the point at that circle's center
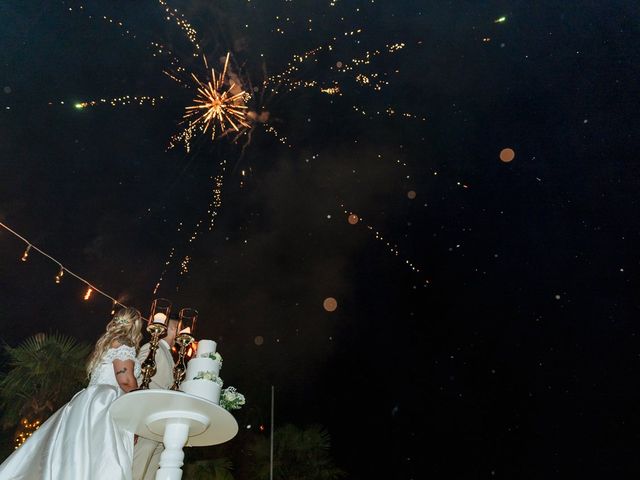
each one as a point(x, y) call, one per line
point(216, 469)
point(44, 372)
point(299, 454)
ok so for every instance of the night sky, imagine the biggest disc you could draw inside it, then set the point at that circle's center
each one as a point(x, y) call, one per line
point(487, 311)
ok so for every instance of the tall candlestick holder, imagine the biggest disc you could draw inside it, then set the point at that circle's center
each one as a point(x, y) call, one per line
point(184, 337)
point(157, 327)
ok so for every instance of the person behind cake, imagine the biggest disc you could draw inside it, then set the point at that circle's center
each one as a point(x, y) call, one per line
point(146, 453)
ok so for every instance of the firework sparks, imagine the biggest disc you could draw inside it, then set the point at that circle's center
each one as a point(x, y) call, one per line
point(183, 24)
point(120, 101)
point(226, 102)
point(390, 112)
point(216, 108)
point(393, 249)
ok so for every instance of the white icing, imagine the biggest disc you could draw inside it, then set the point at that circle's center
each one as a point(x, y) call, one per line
point(205, 347)
point(196, 365)
point(203, 389)
point(203, 364)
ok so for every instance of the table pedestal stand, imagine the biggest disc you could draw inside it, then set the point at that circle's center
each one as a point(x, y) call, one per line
point(176, 419)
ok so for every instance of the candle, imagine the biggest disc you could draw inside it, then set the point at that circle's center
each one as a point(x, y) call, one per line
point(159, 318)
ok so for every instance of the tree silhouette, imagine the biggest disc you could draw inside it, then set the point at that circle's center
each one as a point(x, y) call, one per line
point(216, 469)
point(299, 454)
point(44, 372)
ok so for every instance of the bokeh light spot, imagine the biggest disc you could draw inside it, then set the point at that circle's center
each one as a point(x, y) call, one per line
point(259, 340)
point(507, 154)
point(411, 194)
point(330, 304)
point(353, 219)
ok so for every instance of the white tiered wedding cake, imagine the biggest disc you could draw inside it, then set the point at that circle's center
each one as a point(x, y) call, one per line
point(202, 377)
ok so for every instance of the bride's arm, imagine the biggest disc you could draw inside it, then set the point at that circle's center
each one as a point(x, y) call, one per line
point(124, 374)
point(124, 370)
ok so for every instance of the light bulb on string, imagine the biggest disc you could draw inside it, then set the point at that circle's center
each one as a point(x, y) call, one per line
point(62, 269)
point(60, 274)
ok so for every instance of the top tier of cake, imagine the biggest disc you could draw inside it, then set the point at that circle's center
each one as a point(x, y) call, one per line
point(204, 361)
point(205, 347)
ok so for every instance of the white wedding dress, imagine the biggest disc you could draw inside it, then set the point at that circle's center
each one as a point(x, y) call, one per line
point(80, 441)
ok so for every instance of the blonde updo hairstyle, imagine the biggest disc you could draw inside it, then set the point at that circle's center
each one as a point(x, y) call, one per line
point(125, 328)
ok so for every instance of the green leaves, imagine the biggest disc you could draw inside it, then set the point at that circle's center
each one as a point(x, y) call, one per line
point(302, 454)
point(44, 372)
point(216, 469)
point(231, 399)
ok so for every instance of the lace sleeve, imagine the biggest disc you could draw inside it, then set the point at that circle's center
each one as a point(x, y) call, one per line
point(123, 352)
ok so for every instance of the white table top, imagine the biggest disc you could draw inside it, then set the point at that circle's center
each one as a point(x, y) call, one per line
point(146, 413)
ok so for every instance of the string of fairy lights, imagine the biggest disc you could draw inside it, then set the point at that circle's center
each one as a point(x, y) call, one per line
point(62, 270)
point(27, 427)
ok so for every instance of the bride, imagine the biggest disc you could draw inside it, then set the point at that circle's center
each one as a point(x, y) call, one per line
point(81, 441)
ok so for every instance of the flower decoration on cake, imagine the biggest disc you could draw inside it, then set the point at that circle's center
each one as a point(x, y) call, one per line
point(231, 399)
point(213, 356)
point(211, 376)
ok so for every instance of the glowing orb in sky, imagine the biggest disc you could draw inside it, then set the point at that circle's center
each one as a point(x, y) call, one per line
point(259, 340)
point(507, 154)
point(411, 194)
point(330, 304)
point(353, 219)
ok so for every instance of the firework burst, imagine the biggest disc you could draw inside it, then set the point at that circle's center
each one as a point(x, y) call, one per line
point(216, 107)
point(227, 104)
